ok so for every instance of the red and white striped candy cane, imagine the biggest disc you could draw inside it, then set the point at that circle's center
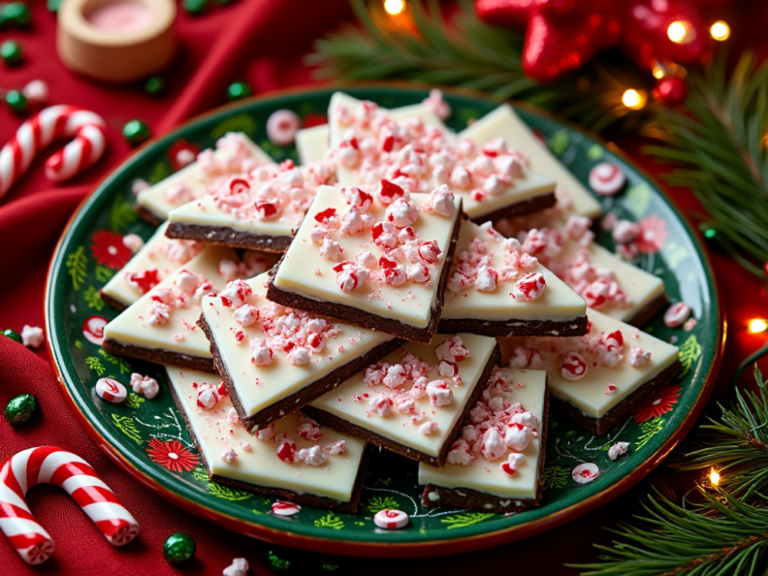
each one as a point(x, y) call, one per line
point(49, 465)
point(41, 130)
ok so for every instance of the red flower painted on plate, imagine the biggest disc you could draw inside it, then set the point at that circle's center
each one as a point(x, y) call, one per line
point(658, 404)
point(182, 153)
point(653, 235)
point(108, 249)
point(313, 119)
point(172, 455)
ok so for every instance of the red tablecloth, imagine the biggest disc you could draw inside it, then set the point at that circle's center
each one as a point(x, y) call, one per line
point(261, 40)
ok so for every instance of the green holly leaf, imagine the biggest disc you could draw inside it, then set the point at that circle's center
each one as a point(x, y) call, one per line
point(377, 503)
point(555, 477)
point(95, 364)
point(93, 299)
point(117, 361)
point(127, 427)
point(595, 152)
point(121, 215)
point(559, 142)
point(466, 519)
point(689, 353)
point(331, 521)
point(638, 198)
point(648, 430)
point(103, 273)
point(76, 264)
point(133, 401)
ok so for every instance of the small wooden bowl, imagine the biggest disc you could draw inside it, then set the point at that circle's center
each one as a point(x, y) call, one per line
point(117, 56)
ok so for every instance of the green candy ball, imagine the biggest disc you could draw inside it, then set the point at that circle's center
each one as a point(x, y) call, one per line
point(17, 13)
point(136, 131)
point(278, 564)
point(13, 335)
point(11, 53)
point(16, 101)
point(179, 548)
point(54, 5)
point(154, 85)
point(20, 410)
point(238, 90)
point(195, 7)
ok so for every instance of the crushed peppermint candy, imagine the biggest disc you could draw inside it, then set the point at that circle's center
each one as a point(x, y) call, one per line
point(618, 450)
point(239, 567)
point(32, 336)
point(144, 385)
point(283, 508)
point(677, 314)
point(418, 157)
point(499, 428)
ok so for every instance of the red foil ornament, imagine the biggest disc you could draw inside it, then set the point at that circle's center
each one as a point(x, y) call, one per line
point(561, 35)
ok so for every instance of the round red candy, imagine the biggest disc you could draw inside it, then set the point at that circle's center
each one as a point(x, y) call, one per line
point(282, 508)
point(111, 390)
point(677, 314)
point(607, 179)
point(93, 329)
point(390, 519)
point(584, 473)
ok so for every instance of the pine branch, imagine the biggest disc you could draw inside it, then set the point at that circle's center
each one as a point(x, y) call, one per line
point(737, 444)
point(470, 54)
point(671, 540)
point(717, 143)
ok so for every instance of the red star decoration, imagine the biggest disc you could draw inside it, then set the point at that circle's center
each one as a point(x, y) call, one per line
point(561, 35)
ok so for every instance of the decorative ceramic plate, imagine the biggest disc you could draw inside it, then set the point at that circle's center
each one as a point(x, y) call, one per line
point(86, 258)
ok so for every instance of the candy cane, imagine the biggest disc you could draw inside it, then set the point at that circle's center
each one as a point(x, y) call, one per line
point(40, 131)
point(49, 465)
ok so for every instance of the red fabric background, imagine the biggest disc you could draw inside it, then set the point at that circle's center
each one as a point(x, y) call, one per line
point(261, 40)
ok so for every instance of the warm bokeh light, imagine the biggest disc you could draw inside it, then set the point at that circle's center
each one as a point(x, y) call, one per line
point(659, 72)
point(634, 99)
point(714, 477)
point(680, 32)
point(720, 30)
point(757, 325)
point(394, 7)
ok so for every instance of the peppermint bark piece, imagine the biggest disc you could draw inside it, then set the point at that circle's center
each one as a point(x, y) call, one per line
point(497, 289)
point(609, 284)
point(497, 465)
point(274, 359)
point(378, 260)
point(505, 123)
point(415, 401)
point(234, 153)
point(161, 325)
point(257, 211)
point(297, 460)
point(493, 179)
point(598, 379)
point(312, 143)
point(153, 263)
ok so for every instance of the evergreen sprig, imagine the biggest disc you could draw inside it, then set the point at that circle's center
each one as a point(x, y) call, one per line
point(725, 532)
point(471, 54)
point(717, 143)
point(722, 537)
point(736, 445)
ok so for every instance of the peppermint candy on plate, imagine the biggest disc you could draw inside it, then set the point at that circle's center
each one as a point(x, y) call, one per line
point(111, 390)
point(606, 179)
point(283, 508)
point(391, 519)
point(677, 314)
point(585, 473)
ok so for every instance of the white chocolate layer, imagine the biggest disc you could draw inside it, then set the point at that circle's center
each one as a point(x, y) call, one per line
point(399, 427)
point(410, 303)
point(312, 144)
point(181, 333)
point(193, 177)
point(641, 286)
point(155, 254)
point(487, 477)
point(530, 185)
point(260, 465)
point(558, 302)
point(261, 386)
point(589, 393)
point(505, 122)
